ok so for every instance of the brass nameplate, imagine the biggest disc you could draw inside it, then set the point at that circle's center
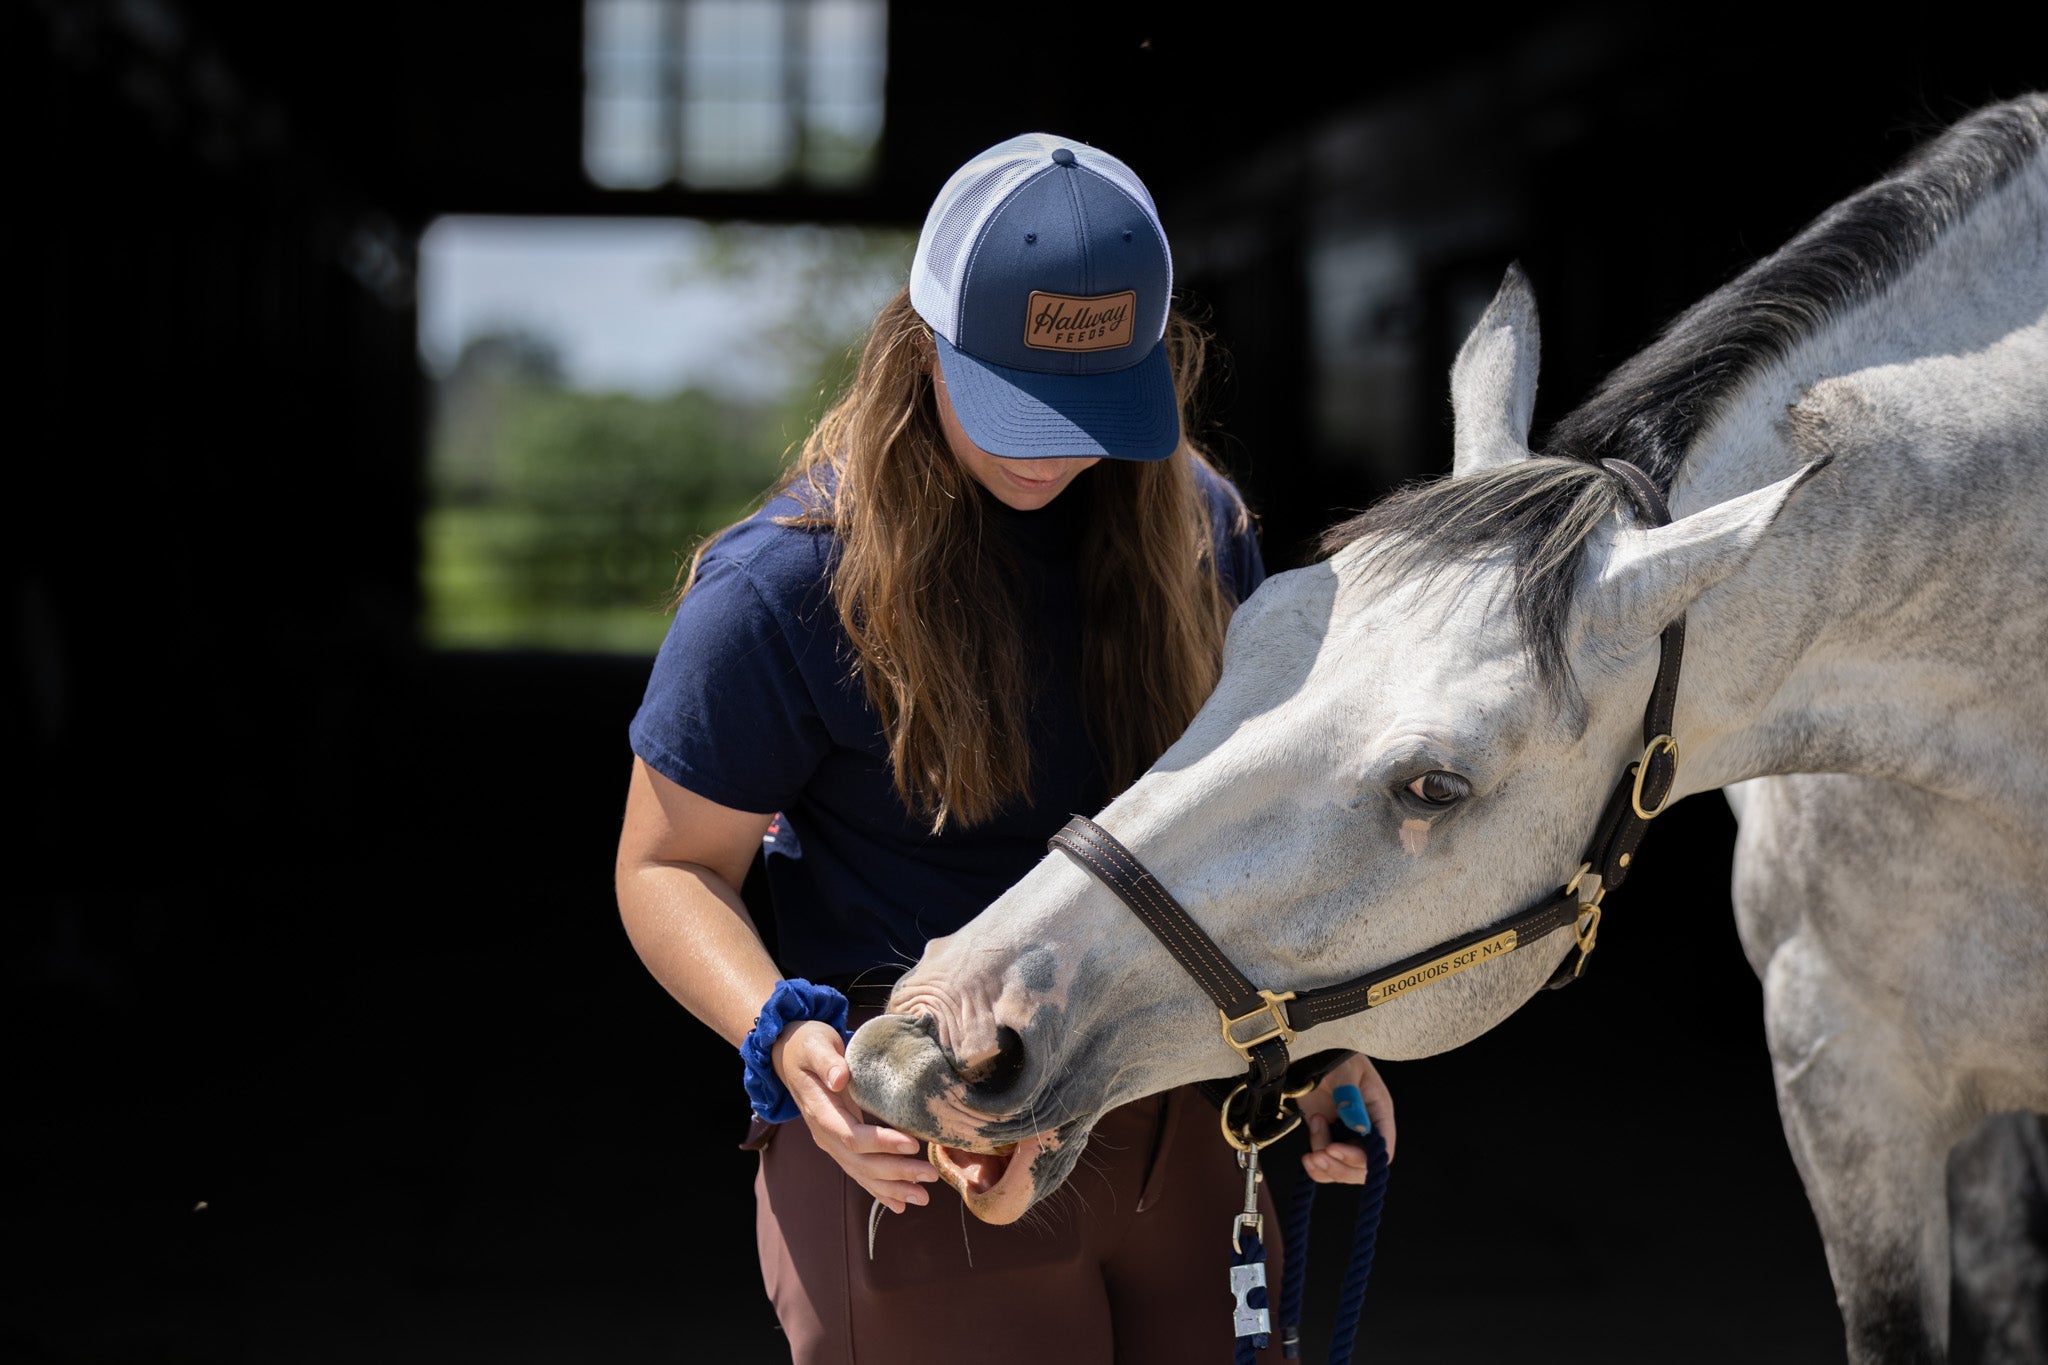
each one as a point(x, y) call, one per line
point(1450, 964)
point(1068, 322)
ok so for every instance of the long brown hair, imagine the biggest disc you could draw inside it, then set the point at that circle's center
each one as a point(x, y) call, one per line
point(929, 602)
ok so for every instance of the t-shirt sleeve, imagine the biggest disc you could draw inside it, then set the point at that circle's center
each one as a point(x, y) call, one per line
point(1245, 565)
point(1238, 561)
point(727, 713)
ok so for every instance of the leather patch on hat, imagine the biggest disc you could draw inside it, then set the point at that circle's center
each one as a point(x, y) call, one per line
point(1066, 322)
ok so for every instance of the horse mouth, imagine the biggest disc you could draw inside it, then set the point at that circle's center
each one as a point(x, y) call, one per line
point(996, 1185)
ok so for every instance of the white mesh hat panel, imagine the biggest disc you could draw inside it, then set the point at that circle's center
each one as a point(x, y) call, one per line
point(973, 194)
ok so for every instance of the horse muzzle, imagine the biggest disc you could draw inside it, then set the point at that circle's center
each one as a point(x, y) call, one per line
point(1000, 1163)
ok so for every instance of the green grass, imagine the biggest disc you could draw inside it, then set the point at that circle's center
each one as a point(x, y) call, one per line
point(472, 602)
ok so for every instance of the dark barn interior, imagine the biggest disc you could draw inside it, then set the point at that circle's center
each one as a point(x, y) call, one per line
point(323, 1040)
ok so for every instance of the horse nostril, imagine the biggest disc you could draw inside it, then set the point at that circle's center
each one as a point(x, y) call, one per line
point(997, 1074)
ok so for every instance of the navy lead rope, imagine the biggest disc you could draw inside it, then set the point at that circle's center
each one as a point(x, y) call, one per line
point(1294, 1278)
point(1364, 1236)
point(1372, 1197)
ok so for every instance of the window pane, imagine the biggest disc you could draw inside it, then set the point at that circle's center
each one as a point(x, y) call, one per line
point(625, 132)
point(736, 125)
point(623, 143)
point(846, 53)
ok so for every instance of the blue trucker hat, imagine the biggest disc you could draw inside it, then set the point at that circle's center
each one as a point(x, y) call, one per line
point(1044, 275)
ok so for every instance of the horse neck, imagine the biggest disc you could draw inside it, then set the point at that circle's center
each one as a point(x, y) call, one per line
point(1894, 621)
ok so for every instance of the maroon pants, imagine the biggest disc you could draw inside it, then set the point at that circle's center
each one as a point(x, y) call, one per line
point(1127, 1262)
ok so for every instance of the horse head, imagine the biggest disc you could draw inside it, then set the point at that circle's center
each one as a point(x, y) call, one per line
point(1410, 739)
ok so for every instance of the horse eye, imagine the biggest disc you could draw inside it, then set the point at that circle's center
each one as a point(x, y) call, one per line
point(1439, 788)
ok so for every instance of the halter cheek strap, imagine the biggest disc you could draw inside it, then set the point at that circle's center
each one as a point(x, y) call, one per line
point(1260, 1025)
point(1257, 1024)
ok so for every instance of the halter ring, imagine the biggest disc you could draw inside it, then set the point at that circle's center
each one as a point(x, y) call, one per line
point(1670, 746)
point(1248, 1143)
point(1586, 874)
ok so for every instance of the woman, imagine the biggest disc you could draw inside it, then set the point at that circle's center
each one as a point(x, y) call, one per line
point(989, 593)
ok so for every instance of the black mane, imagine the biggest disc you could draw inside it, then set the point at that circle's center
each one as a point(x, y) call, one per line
point(1653, 408)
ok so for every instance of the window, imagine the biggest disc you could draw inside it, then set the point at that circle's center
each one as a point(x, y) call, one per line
point(733, 94)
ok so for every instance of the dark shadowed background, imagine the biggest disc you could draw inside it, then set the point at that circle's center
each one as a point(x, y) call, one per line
point(322, 1041)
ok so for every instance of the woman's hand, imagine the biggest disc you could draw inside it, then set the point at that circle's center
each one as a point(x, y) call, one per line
point(811, 1060)
point(1344, 1162)
point(682, 859)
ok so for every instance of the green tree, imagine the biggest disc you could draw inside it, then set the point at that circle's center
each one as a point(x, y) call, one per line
point(560, 518)
point(593, 505)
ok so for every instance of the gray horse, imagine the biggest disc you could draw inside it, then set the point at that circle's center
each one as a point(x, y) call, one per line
point(1414, 737)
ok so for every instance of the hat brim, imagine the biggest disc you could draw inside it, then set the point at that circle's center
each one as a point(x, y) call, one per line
point(1127, 414)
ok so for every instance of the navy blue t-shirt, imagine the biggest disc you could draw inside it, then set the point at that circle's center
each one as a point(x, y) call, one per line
point(753, 704)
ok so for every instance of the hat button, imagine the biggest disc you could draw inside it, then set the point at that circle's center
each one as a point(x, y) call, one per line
point(1061, 156)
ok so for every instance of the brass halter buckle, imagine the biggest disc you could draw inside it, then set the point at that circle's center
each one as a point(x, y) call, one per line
point(1586, 885)
point(1277, 1027)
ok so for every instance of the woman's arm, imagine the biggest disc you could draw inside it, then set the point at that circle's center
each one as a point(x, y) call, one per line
point(681, 861)
point(680, 864)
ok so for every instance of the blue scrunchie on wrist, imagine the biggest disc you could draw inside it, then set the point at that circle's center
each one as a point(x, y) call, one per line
point(792, 1002)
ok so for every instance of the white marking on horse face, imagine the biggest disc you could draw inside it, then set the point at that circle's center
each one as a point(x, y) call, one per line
point(1415, 837)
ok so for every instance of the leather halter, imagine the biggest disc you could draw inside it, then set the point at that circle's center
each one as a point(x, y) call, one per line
point(1260, 1024)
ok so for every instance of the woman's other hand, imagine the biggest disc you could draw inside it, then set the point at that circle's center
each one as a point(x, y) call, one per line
point(890, 1165)
point(1331, 1160)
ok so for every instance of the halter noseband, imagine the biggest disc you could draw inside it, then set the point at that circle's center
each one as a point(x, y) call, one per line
point(1259, 1025)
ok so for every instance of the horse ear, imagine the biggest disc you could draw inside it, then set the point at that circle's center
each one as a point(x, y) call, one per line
point(1493, 381)
point(1652, 577)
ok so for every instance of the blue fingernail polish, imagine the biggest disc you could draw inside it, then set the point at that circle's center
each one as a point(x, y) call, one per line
point(1351, 1108)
